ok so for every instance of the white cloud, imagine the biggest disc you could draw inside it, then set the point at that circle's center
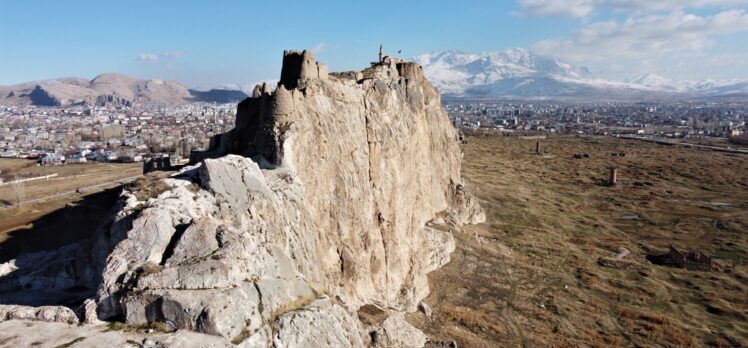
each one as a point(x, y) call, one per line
point(729, 59)
point(147, 57)
point(644, 37)
point(584, 8)
point(625, 37)
point(153, 57)
point(316, 49)
point(172, 54)
point(560, 8)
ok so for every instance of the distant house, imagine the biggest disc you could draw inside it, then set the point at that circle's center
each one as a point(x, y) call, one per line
point(9, 154)
point(92, 156)
point(77, 158)
point(105, 156)
point(134, 141)
point(87, 145)
point(114, 142)
point(33, 154)
point(51, 159)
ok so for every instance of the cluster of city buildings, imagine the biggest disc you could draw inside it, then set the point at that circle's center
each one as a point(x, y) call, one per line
point(76, 134)
point(666, 119)
point(57, 135)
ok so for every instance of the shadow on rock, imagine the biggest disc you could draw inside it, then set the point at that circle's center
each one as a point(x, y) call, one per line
point(52, 263)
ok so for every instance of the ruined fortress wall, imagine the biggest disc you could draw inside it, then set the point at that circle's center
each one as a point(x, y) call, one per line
point(300, 65)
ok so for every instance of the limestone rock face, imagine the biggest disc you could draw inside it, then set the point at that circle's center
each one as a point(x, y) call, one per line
point(313, 206)
point(376, 159)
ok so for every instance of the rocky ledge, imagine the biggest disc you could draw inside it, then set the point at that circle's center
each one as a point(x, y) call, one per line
point(330, 200)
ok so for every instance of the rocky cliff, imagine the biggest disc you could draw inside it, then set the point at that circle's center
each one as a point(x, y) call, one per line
point(312, 223)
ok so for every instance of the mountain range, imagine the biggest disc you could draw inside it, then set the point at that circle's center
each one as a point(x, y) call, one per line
point(522, 74)
point(515, 73)
point(110, 89)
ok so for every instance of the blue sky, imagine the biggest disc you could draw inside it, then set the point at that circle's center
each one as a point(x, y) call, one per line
point(205, 43)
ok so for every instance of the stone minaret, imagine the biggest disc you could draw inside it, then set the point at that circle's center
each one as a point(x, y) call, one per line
point(381, 54)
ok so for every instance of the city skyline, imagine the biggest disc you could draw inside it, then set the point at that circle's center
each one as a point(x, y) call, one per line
point(206, 45)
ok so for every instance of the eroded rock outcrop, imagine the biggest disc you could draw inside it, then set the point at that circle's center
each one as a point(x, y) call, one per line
point(56, 314)
point(313, 206)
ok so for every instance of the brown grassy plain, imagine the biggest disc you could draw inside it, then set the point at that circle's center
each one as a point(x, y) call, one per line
point(530, 275)
point(69, 177)
point(50, 223)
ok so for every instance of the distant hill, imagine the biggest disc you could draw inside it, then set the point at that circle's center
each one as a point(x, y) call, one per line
point(109, 89)
point(521, 73)
point(218, 95)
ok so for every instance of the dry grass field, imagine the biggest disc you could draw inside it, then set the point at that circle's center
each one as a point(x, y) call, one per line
point(531, 275)
point(69, 178)
point(68, 217)
point(542, 271)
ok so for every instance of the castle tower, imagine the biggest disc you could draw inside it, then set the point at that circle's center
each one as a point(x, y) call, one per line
point(381, 53)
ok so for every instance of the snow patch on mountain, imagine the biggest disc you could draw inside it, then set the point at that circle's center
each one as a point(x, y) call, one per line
point(519, 72)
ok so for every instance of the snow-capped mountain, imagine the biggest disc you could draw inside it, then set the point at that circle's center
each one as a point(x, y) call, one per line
point(520, 73)
point(659, 83)
point(664, 84)
point(244, 87)
point(455, 72)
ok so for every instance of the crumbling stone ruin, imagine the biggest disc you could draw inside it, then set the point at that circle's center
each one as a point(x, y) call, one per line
point(158, 163)
point(300, 65)
point(322, 200)
point(692, 260)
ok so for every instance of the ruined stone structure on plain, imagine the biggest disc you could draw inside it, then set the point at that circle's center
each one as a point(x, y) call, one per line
point(157, 163)
point(692, 260)
point(613, 176)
